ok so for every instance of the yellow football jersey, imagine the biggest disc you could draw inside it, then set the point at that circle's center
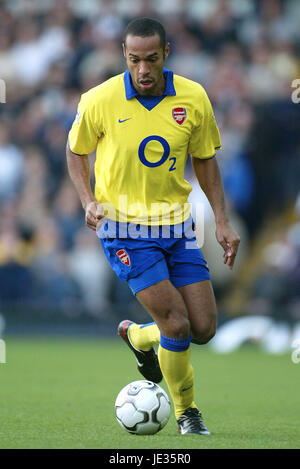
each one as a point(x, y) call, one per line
point(142, 145)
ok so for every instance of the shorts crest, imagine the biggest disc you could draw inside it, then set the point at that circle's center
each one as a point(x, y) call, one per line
point(123, 256)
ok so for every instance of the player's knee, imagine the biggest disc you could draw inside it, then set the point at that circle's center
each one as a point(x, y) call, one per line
point(177, 325)
point(204, 334)
point(181, 329)
point(208, 335)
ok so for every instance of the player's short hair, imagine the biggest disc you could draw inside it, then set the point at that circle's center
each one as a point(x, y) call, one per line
point(145, 27)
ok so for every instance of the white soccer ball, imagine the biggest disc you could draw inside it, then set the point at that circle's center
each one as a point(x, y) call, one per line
point(142, 407)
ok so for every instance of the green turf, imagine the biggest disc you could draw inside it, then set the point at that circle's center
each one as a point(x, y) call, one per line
point(60, 393)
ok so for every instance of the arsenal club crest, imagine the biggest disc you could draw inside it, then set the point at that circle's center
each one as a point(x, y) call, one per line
point(123, 256)
point(179, 115)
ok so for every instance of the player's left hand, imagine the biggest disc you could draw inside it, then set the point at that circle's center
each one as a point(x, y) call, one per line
point(229, 241)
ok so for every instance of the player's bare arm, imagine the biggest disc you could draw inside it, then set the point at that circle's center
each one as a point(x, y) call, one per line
point(79, 171)
point(208, 175)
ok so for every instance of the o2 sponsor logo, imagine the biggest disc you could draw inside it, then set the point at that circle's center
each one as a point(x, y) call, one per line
point(165, 155)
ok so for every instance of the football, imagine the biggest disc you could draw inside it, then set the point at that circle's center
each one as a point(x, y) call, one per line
point(142, 407)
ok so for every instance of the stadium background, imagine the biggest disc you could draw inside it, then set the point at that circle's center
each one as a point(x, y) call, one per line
point(53, 275)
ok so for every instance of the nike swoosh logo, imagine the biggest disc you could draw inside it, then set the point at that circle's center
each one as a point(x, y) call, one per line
point(139, 364)
point(123, 120)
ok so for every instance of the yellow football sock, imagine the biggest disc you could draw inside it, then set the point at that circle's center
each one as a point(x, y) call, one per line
point(179, 375)
point(144, 336)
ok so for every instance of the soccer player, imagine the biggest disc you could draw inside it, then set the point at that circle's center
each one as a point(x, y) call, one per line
point(144, 123)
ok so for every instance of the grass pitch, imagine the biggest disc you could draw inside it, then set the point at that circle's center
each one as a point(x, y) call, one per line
point(60, 393)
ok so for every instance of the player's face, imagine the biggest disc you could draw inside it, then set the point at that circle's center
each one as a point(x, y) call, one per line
point(145, 60)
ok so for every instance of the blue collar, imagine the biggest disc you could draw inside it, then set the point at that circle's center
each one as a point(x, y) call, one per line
point(131, 92)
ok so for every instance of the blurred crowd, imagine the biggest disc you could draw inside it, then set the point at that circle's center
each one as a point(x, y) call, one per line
point(245, 53)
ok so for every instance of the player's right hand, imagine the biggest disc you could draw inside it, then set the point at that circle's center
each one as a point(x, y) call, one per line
point(94, 215)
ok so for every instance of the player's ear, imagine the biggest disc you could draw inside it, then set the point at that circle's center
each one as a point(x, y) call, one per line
point(167, 50)
point(124, 49)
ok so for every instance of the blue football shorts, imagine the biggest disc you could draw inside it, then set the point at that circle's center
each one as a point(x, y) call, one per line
point(145, 255)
